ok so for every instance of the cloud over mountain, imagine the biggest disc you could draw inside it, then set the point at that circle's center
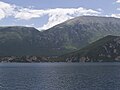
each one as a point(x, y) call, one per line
point(55, 16)
point(115, 15)
point(60, 15)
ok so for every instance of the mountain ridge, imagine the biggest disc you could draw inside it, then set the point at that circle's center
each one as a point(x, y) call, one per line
point(105, 49)
point(63, 38)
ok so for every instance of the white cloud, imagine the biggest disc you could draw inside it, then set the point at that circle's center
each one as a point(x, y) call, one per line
point(115, 15)
point(60, 15)
point(55, 16)
point(2, 14)
point(6, 10)
point(26, 13)
point(118, 1)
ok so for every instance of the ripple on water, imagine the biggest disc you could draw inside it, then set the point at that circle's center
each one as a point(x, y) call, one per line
point(60, 76)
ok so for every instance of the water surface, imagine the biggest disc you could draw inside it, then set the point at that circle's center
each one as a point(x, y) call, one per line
point(60, 76)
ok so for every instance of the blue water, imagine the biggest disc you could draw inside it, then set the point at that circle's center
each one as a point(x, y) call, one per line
point(60, 76)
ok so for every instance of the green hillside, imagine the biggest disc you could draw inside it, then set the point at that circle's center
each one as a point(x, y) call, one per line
point(64, 38)
point(106, 49)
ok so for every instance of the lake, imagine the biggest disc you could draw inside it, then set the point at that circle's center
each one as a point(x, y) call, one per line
point(60, 76)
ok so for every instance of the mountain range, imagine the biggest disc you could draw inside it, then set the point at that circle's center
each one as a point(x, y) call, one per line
point(106, 49)
point(69, 36)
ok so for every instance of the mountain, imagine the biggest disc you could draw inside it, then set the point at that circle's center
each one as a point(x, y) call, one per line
point(106, 49)
point(63, 38)
point(76, 33)
point(22, 41)
point(18, 40)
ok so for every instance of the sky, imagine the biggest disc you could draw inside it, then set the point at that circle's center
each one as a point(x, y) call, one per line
point(44, 14)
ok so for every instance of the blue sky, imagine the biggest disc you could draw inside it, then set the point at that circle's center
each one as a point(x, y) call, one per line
point(44, 14)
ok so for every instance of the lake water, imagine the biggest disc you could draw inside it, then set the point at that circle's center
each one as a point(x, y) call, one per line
point(60, 76)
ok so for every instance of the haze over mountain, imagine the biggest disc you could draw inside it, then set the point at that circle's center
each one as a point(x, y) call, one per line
point(61, 39)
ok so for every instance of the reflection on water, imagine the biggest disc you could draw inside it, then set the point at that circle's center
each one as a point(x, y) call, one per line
point(60, 76)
